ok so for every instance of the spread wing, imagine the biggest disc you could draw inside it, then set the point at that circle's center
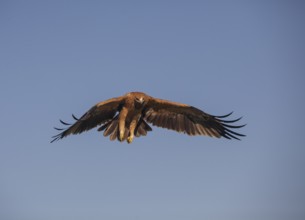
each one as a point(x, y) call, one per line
point(99, 114)
point(189, 120)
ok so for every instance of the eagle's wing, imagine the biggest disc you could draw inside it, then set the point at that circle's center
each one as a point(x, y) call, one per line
point(97, 115)
point(188, 119)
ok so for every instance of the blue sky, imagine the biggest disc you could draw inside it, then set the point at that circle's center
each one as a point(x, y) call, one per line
point(62, 57)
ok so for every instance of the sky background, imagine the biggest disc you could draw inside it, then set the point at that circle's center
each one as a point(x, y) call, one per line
point(62, 57)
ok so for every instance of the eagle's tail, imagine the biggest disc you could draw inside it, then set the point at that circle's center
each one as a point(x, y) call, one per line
point(142, 128)
point(112, 129)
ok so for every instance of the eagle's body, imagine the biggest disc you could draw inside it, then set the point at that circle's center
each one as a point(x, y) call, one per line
point(127, 116)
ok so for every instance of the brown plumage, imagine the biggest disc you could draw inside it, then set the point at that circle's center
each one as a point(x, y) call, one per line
point(127, 116)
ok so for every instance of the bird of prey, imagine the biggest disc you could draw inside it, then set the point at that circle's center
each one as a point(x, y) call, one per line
point(127, 116)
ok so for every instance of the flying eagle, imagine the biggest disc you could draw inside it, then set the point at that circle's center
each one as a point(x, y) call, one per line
point(128, 116)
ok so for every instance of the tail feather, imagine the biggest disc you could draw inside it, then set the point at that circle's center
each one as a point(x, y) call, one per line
point(142, 128)
point(114, 134)
point(111, 129)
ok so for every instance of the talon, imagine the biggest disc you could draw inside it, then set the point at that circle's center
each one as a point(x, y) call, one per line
point(129, 139)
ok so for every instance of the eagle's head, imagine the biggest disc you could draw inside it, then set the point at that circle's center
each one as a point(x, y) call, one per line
point(139, 101)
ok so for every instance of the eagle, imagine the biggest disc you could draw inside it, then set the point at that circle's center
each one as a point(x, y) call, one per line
point(129, 116)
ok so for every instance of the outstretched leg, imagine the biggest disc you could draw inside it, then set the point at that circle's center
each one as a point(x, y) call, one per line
point(122, 118)
point(132, 128)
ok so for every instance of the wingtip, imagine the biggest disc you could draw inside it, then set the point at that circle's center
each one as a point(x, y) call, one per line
point(223, 116)
point(64, 123)
point(53, 140)
point(58, 129)
point(231, 121)
point(73, 116)
point(227, 124)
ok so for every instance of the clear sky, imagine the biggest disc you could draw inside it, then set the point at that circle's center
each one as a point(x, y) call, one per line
point(62, 57)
